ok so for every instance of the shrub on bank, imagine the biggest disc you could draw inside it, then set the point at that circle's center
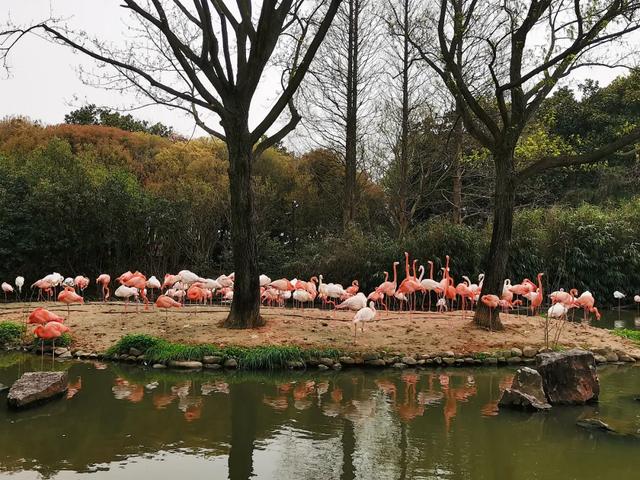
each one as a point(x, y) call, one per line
point(251, 358)
point(10, 333)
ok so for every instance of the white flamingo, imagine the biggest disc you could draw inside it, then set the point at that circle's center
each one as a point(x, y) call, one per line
point(362, 316)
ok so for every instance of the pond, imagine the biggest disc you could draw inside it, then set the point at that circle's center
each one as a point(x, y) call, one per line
point(122, 422)
point(612, 319)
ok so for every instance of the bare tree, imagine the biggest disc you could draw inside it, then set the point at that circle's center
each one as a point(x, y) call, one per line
point(337, 96)
point(207, 58)
point(500, 59)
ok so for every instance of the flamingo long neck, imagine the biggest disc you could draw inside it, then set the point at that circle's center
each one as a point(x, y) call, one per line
point(421, 268)
point(406, 264)
point(430, 269)
point(386, 277)
point(540, 283)
point(395, 273)
point(414, 269)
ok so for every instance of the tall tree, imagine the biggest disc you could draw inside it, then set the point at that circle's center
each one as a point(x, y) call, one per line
point(208, 59)
point(487, 55)
point(338, 93)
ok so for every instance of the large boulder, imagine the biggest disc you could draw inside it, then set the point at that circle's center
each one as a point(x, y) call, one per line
point(526, 392)
point(37, 387)
point(569, 378)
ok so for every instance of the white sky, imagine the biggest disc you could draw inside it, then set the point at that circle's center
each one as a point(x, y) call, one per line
point(44, 82)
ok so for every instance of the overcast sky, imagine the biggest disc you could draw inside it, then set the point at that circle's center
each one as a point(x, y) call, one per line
point(44, 82)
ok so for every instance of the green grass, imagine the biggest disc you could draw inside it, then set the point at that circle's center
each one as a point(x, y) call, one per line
point(626, 333)
point(248, 358)
point(10, 333)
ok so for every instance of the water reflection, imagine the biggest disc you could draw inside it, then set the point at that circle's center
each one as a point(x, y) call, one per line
point(347, 425)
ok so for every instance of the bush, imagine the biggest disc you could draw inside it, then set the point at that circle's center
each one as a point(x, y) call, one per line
point(63, 340)
point(10, 333)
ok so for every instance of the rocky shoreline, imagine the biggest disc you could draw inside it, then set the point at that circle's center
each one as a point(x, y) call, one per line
point(516, 356)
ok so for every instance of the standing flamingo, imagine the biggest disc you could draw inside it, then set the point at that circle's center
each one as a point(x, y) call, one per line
point(389, 288)
point(163, 301)
point(126, 292)
point(492, 302)
point(619, 296)
point(69, 296)
point(19, 282)
point(103, 281)
point(6, 288)
point(50, 331)
point(363, 315)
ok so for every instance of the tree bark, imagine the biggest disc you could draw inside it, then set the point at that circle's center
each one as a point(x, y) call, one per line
point(456, 191)
point(504, 196)
point(245, 307)
point(404, 218)
point(351, 132)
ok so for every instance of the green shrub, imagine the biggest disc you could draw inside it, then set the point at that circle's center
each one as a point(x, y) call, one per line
point(10, 333)
point(63, 340)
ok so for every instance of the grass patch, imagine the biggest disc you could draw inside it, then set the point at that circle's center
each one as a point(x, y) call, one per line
point(10, 333)
point(249, 358)
point(626, 333)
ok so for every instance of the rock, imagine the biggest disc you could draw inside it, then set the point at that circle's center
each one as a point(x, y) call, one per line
point(438, 360)
point(516, 352)
point(448, 360)
point(430, 361)
point(391, 360)
point(158, 366)
point(529, 361)
point(230, 363)
point(421, 362)
point(611, 356)
point(211, 359)
point(399, 365)
point(151, 386)
point(490, 361)
point(346, 360)
point(35, 387)
point(135, 352)
point(448, 354)
point(502, 360)
point(594, 424)
point(66, 354)
point(367, 357)
point(212, 366)
point(326, 361)
point(477, 361)
point(526, 392)
point(569, 377)
point(600, 359)
point(295, 364)
point(544, 350)
point(469, 361)
point(188, 364)
point(60, 351)
point(626, 358)
point(322, 366)
point(601, 351)
point(409, 360)
point(529, 352)
point(514, 360)
point(313, 361)
point(337, 366)
point(378, 362)
point(459, 362)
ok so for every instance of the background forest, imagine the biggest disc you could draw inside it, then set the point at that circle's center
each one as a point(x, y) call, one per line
point(106, 192)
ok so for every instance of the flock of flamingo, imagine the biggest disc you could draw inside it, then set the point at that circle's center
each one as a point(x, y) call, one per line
point(186, 285)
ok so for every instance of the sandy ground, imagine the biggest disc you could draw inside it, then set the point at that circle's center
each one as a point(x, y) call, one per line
point(97, 326)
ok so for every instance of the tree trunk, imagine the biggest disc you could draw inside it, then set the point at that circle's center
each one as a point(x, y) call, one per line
point(404, 217)
point(456, 193)
point(351, 128)
point(245, 307)
point(504, 198)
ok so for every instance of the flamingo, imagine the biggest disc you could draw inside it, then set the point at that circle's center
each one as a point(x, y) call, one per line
point(169, 281)
point(69, 296)
point(353, 289)
point(264, 280)
point(6, 288)
point(537, 296)
point(587, 302)
point(363, 315)
point(42, 316)
point(637, 300)
point(465, 292)
point(19, 283)
point(377, 297)
point(153, 284)
point(104, 280)
point(126, 292)
point(50, 331)
point(429, 284)
point(619, 296)
point(357, 302)
point(389, 288)
point(302, 296)
point(196, 294)
point(492, 302)
point(81, 282)
point(44, 286)
point(166, 302)
point(138, 281)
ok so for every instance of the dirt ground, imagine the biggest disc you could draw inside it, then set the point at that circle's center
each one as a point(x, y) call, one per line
point(97, 326)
